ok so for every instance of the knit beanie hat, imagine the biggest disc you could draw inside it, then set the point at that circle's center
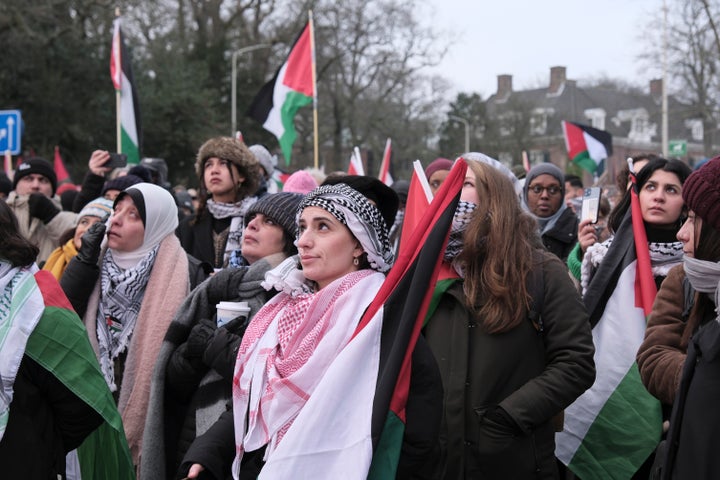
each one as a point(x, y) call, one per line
point(280, 207)
point(438, 164)
point(100, 207)
point(544, 169)
point(300, 182)
point(263, 157)
point(701, 192)
point(121, 183)
point(36, 165)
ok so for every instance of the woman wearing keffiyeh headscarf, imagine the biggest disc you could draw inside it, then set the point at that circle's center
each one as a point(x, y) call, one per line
point(143, 276)
point(291, 417)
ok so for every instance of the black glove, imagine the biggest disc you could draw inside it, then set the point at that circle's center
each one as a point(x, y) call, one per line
point(42, 207)
point(91, 240)
point(237, 325)
point(497, 431)
point(200, 336)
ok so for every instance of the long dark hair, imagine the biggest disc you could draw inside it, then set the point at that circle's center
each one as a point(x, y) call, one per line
point(672, 166)
point(14, 248)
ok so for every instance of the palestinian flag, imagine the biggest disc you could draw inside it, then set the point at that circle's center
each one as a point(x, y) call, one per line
point(356, 164)
point(404, 300)
point(292, 87)
point(384, 174)
point(586, 146)
point(129, 111)
point(60, 344)
point(615, 425)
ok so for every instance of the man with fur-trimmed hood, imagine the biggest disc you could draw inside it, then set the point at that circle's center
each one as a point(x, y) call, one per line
point(229, 175)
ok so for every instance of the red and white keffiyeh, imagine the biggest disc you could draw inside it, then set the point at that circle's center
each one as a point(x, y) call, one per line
point(287, 348)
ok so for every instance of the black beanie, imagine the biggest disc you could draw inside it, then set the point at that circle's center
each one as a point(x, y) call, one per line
point(36, 165)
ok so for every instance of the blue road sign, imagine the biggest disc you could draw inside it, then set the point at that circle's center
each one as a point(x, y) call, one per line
point(10, 122)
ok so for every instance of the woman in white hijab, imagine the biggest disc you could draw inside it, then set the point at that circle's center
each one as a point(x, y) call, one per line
point(142, 277)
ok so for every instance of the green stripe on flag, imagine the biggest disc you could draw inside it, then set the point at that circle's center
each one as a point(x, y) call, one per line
point(60, 344)
point(440, 288)
point(129, 148)
point(584, 161)
point(387, 454)
point(293, 102)
point(621, 455)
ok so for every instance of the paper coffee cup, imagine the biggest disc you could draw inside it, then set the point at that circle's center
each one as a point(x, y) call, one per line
point(227, 311)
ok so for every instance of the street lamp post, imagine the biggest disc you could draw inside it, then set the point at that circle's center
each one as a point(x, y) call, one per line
point(467, 130)
point(233, 99)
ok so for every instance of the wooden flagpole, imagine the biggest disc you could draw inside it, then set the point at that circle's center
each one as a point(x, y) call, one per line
point(118, 93)
point(314, 83)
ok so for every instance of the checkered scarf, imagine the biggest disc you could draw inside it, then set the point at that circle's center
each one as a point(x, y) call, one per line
point(361, 217)
point(236, 211)
point(286, 350)
point(461, 219)
point(122, 292)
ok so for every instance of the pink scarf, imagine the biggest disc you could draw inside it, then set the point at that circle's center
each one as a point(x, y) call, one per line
point(285, 352)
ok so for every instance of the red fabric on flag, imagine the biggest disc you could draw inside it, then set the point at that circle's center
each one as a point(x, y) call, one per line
point(645, 288)
point(574, 139)
point(298, 75)
point(116, 59)
point(384, 175)
point(59, 166)
point(415, 207)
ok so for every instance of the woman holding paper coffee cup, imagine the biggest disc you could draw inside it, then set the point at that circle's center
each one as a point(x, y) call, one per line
point(192, 381)
point(313, 380)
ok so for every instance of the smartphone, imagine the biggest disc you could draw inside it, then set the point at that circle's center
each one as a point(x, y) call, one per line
point(117, 160)
point(591, 204)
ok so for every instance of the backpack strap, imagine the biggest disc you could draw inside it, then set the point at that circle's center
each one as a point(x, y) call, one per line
point(536, 289)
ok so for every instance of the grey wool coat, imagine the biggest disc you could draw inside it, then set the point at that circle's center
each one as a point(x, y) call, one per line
point(208, 399)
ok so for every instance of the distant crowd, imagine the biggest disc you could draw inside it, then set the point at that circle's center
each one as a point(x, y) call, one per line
point(231, 329)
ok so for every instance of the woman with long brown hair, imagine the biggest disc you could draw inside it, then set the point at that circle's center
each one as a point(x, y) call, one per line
point(511, 339)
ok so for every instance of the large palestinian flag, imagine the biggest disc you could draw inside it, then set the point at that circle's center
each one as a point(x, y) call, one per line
point(587, 147)
point(614, 426)
point(129, 114)
point(60, 344)
point(292, 87)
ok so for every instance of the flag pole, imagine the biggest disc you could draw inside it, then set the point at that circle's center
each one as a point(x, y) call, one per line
point(118, 100)
point(314, 83)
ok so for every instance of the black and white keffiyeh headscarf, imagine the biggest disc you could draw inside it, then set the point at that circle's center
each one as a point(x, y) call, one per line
point(361, 217)
point(236, 212)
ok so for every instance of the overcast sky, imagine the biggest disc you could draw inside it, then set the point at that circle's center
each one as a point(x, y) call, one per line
point(524, 38)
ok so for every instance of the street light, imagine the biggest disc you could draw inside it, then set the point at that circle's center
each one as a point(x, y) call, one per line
point(233, 100)
point(467, 130)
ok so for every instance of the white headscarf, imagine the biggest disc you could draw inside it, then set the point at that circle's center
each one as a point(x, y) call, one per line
point(160, 219)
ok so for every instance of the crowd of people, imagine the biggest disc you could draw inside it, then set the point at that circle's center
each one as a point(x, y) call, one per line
point(118, 363)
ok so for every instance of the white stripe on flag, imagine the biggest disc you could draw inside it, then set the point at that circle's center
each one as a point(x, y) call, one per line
point(617, 337)
point(127, 110)
point(596, 149)
point(273, 123)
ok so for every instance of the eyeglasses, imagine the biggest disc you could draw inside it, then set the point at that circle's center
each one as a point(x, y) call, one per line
point(538, 189)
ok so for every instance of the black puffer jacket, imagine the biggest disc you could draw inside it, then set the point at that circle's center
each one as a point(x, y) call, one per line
point(503, 390)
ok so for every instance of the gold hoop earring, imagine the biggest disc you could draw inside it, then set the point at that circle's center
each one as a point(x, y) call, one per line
point(356, 262)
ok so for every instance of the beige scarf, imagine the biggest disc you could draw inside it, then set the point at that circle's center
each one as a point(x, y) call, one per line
point(167, 287)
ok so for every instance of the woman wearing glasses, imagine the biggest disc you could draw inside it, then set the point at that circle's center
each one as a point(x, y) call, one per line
point(544, 199)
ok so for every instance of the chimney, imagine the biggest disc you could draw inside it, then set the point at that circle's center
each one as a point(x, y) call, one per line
point(504, 86)
point(656, 86)
point(557, 79)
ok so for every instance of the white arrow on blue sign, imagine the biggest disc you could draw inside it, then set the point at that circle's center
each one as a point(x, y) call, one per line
point(10, 123)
